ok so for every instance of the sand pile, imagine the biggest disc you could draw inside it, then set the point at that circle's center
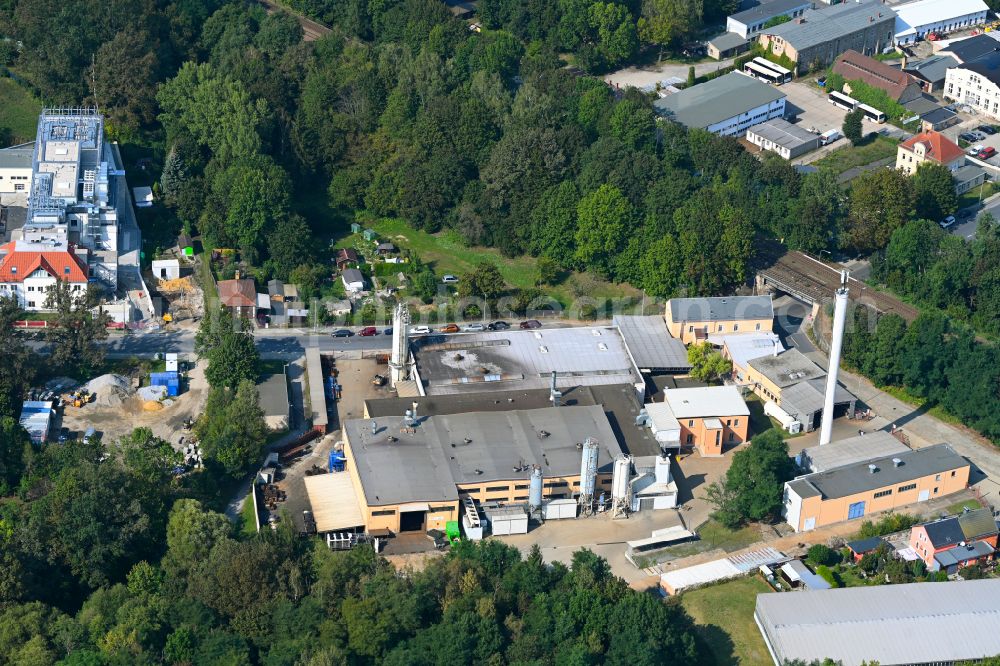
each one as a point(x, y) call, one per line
point(109, 390)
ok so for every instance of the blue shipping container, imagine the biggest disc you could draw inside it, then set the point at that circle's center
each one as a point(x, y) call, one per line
point(171, 380)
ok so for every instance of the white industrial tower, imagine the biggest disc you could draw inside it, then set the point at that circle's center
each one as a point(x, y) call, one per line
point(399, 361)
point(621, 495)
point(836, 342)
point(588, 475)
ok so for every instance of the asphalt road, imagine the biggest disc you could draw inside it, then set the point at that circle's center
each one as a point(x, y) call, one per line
point(967, 228)
point(790, 316)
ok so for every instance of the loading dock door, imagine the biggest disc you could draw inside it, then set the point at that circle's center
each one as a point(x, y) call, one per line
point(856, 510)
point(924, 496)
point(412, 521)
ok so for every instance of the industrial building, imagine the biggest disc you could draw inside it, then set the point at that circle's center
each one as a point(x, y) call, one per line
point(860, 448)
point(698, 319)
point(650, 345)
point(781, 137)
point(891, 625)
point(409, 473)
point(878, 484)
point(797, 385)
point(951, 543)
point(708, 418)
point(916, 20)
point(895, 83)
point(749, 22)
point(516, 360)
point(820, 35)
point(929, 72)
point(971, 48)
point(741, 349)
point(727, 105)
point(931, 147)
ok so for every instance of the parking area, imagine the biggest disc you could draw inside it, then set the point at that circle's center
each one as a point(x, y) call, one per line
point(809, 105)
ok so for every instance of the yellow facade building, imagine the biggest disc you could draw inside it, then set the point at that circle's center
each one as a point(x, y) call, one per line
point(699, 319)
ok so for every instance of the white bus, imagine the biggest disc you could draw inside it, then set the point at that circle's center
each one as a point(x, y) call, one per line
point(762, 73)
point(786, 74)
point(843, 101)
point(872, 114)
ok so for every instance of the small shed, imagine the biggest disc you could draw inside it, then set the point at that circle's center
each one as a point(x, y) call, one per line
point(273, 399)
point(862, 547)
point(355, 228)
point(386, 247)
point(558, 509)
point(369, 234)
point(185, 245)
point(507, 520)
point(166, 269)
point(143, 196)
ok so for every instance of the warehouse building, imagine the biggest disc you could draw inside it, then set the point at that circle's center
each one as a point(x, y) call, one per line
point(517, 360)
point(915, 20)
point(699, 319)
point(749, 22)
point(650, 345)
point(781, 137)
point(892, 81)
point(891, 625)
point(405, 474)
point(930, 72)
point(797, 385)
point(879, 484)
point(273, 399)
point(878, 444)
point(727, 105)
point(820, 35)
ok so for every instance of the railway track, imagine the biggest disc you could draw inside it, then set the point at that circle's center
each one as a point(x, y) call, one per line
point(311, 30)
point(814, 280)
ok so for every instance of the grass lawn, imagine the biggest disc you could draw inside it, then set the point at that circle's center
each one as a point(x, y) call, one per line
point(718, 536)
point(19, 111)
point(971, 198)
point(248, 522)
point(850, 157)
point(724, 621)
point(936, 411)
point(446, 252)
point(958, 507)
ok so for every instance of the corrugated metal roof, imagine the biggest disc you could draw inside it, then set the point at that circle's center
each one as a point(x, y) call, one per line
point(923, 13)
point(648, 341)
point(334, 502)
point(712, 102)
point(783, 133)
point(741, 349)
point(915, 623)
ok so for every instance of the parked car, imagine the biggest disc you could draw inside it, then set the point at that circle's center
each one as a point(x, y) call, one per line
point(420, 330)
point(974, 151)
point(473, 328)
point(387, 331)
point(342, 333)
point(986, 129)
point(531, 323)
point(947, 222)
point(449, 328)
point(449, 279)
point(967, 137)
point(498, 326)
point(368, 331)
point(987, 152)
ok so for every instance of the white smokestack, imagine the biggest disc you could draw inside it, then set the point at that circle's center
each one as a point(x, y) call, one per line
point(399, 361)
point(839, 320)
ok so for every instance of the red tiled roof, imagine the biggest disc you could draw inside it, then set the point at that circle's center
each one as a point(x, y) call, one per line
point(856, 67)
point(938, 147)
point(53, 262)
point(238, 293)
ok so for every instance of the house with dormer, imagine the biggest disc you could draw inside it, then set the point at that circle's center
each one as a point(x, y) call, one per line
point(29, 270)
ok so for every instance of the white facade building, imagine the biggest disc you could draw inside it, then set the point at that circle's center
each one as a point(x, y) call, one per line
point(976, 83)
point(15, 175)
point(914, 20)
point(28, 270)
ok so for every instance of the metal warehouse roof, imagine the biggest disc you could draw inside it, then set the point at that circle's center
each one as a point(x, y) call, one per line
point(650, 344)
point(851, 450)
point(712, 102)
point(334, 502)
point(783, 133)
point(807, 397)
point(722, 308)
point(913, 15)
point(858, 478)
point(706, 401)
point(396, 466)
point(830, 22)
point(915, 623)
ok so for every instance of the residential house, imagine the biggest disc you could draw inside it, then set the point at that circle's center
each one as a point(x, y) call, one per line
point(817, 37)
point(354, 281)
point(727, 105)
point(895, 83)
point(928, 147)
point(29, 270)
point(698, 319)
point(240, 296)
point(951, 543)
point(879, 484)
point(797, 385)
point(345, 257)
point(708, 418)
point(916, 20)
point(977, 83)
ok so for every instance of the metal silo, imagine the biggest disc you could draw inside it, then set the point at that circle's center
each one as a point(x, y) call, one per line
point(621, 488)
point(535, 490)
point(588, 474)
